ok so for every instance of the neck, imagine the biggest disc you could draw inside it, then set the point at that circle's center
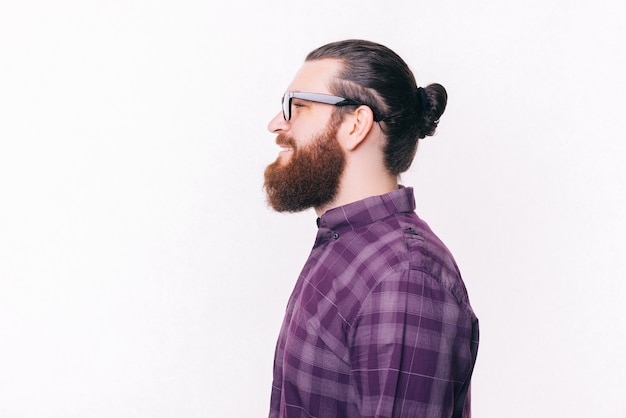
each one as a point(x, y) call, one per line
point(361, 178)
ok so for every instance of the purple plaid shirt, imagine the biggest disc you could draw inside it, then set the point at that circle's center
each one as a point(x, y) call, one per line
point(379, 323)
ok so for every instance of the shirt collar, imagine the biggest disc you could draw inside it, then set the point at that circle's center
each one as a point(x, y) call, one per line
point(364, 212)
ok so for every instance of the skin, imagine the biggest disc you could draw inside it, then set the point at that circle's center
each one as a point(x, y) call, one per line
point(359, 136)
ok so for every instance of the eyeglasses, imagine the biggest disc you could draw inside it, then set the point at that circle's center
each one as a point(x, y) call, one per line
point(315, 97)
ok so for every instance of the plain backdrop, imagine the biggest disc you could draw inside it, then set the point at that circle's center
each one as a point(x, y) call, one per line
point(143, 275)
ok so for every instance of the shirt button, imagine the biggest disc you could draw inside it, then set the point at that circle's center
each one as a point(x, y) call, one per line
point(335, 235)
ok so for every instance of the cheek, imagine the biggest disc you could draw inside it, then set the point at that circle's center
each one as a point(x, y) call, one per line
point(305, 133)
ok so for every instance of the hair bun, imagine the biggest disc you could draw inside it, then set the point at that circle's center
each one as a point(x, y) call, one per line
point(433, 99)
point(423, 99)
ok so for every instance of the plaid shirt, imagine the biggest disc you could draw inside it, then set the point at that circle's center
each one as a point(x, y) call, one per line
point(379, 323)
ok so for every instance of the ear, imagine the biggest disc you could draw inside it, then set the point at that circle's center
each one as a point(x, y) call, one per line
point(356, 126)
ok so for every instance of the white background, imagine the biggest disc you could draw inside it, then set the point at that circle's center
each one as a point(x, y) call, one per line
point(142, 275)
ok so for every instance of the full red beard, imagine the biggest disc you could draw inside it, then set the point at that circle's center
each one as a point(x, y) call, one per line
point(310, 178)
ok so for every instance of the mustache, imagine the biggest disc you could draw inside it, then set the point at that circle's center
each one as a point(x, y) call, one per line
point(286, 140)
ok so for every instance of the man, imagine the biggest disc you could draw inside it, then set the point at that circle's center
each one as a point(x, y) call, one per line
point(379, 323)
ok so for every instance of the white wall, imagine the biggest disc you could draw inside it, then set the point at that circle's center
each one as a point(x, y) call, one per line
point(142, 275)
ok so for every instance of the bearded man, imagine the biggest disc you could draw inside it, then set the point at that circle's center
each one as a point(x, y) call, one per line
point(379, 323)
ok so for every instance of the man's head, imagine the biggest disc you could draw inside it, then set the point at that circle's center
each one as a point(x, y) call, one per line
point(375, 75)
point(308, 169)
point(358, 87)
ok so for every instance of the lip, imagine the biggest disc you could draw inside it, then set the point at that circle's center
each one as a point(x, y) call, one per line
point(285, 154)
point(286, 145)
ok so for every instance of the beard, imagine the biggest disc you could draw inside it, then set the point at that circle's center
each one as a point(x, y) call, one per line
point(310, 178)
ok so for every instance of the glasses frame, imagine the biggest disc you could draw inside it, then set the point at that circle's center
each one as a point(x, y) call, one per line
point(317, 98)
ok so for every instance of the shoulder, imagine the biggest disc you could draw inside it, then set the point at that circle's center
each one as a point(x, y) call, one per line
point(418, 267)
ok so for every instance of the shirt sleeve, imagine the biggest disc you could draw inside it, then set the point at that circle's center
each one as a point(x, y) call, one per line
point(410, 350)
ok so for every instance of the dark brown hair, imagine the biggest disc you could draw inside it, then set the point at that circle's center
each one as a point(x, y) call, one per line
point(376, 76)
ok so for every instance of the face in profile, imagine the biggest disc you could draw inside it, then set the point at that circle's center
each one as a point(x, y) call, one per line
point(306, 176)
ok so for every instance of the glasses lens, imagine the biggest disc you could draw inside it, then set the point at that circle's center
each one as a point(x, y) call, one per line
point(286, 106)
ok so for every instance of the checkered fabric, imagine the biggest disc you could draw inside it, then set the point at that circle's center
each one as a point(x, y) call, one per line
point(379, 322)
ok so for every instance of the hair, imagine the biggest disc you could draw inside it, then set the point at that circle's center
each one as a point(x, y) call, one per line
point(376, 76)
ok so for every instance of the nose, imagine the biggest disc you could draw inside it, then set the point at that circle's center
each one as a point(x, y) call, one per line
point(278, 123)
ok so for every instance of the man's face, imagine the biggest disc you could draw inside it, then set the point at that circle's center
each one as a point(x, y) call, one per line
point(309, 177)
point(307, 171)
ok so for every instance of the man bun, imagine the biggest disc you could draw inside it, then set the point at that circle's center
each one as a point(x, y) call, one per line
point(434, 99)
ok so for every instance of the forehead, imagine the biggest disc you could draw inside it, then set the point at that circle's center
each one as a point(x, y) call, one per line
point(315, 76)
